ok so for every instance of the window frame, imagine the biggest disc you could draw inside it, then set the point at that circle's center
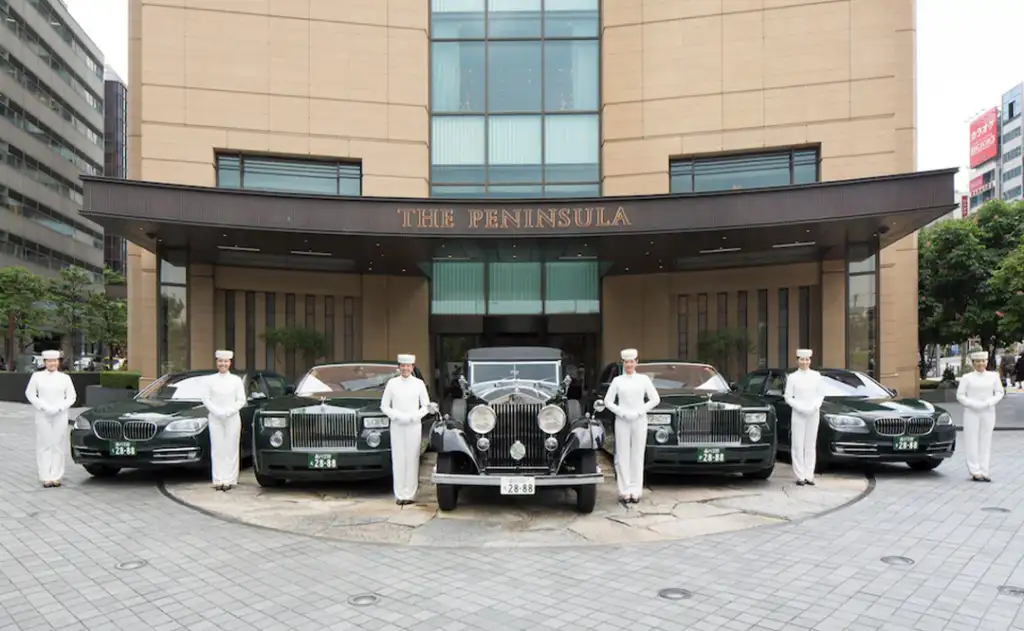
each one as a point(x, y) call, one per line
point(241, 156)
point(689, 164)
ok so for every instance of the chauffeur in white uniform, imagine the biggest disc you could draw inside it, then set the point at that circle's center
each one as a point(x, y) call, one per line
point(223, 398)
point(804, 396)
point(52, 394)
point(405, 402)
point(626, 400)
point(979, 392)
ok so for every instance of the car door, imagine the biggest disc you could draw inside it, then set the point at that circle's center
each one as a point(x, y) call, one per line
point(256, 396)
point(775, 393)
point(610, 372)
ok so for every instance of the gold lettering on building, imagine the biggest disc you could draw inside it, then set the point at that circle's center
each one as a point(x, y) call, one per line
point(486, 219)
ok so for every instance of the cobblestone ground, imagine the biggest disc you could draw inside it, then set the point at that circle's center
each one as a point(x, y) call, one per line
point(59, 549)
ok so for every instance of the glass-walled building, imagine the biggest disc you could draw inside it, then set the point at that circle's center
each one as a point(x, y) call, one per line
point(694, 181)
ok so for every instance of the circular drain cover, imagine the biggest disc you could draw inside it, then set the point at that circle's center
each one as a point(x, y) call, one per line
point(1010, 590)
point(674, 593)
point(364, 600)
point(131, 565)
point(897, 561)
point(996, 509)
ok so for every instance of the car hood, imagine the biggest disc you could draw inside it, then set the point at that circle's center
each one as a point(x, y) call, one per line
point(514, 392)
point(671, 401)
point(146, 410)
point(368, 403)
point(878, 407)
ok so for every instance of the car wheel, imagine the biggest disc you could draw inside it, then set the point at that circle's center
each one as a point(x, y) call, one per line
point(102, 470)
point(447, 494)
point(268, 482)
point(763, 474)
point(586, 494)
point(924, 465)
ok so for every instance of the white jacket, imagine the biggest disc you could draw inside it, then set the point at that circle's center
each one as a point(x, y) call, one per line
point(804, 392)
point(405, 400)
point(625, 397)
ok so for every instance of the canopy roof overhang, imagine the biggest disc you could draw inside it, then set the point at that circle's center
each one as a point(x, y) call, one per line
point(639, 234)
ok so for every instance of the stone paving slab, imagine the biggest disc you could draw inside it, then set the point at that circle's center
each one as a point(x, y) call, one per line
point(671, 509)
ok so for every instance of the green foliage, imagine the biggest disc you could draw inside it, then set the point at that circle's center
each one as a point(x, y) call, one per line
point(22, 314)
point(291, 339)
point(107, 322)
point(719, 347)
point(120, 379)
point(71, 295)
point(1009, 280)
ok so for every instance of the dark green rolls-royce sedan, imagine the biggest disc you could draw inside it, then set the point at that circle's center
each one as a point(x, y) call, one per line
point(165, 425)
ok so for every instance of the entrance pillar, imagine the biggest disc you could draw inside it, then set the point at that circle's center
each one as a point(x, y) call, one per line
point(142, 313)
point(201, 318)
point(833, 314)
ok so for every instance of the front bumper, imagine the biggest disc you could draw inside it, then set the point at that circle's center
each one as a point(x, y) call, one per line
point(685, 459)
point(483, 479)
point(851, 447)
point(185, 452)
point(352, 464)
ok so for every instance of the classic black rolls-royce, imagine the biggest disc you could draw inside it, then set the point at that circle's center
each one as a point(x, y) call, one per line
point(700, 426)
point(515, 429)
point(862, 420)
point(165, 425)
point(331, 428)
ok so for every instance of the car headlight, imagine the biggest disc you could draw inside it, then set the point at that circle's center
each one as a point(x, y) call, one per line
point(482, 419)
point(659, 419)
point(551, 419)
point(943, 419)
point(755, 417)
point(272, 422)
point(433, 408)
point(186, 426)
point(599, 405)
point(843, 423)
point(82, 423)
point(376, 422)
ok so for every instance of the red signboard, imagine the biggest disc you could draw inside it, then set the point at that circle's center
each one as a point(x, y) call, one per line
point(976, 184)
point(985, 137)
point(963, 206)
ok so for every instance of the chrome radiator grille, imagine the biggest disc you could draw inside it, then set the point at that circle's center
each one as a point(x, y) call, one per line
point(139, 430)
point(323, 430)
point(107, 430)
point(894, 426)
point(517, 421)
point(125, 430)
point(703, 426)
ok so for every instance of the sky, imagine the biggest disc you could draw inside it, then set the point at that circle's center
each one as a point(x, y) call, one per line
point(962, 70)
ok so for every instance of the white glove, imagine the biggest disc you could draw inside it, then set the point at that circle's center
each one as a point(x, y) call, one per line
point(632, 415)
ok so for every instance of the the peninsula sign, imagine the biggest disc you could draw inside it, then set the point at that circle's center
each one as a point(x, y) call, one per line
point(513, 219)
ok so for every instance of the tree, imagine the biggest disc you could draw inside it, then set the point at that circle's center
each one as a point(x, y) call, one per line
point(71, 295)
point(312, 343)
point(1001, 228)
point(21, 296)
point(1008, 280)
point(951, 266)
point(718, 348)
point(107, 322)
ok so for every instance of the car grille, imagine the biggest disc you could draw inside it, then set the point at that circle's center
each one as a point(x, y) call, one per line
point(703, 426)
point(517, 421)
point(913, 426)
point(128, 430)
point(323, 430)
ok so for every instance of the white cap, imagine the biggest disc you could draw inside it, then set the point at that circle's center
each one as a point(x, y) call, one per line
point(224, 355)
point(804, 352)
point(979, 356)
point(51, 354)
point(628, 353)
point(406, 359)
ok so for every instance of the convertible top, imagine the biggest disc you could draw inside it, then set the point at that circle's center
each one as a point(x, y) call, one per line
point(514, 353)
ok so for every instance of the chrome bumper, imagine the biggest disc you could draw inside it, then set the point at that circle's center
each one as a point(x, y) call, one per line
point(463, 479)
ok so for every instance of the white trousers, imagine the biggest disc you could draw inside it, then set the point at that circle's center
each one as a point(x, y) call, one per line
point(405, 458)
point(224, 436)
point(630, 449)
point(51, 446)
point(978, 428)
point(803, 444)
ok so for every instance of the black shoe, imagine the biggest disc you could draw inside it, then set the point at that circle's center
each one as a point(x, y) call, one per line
point(809, 482)
point(398, 502)
point(634, 500)
point(800, 483)
point(984, 478)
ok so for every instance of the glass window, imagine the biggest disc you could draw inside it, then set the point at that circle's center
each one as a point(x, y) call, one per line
point(741, 173)
point(572, 287)
point(457, 149)
point(571, 18)
point(783, 328)
point(457, 77)
point(513, 18)
point(571, 76)
point(861, 323)
point(573, 190)
point(458, 191)
point(457, 288)
point(681, 177)
point(702, 317)
point(514, 289)
point(514, 76)
point(805, 317)
point(457, 19)
point(805, 167)
point(861, 258)
point(514, 149)
point(762, 328)
point(514, 191)
point(276, 385)
point(852, 384)
point(683, 324)
point(742, 324)
point(172, 324)
point(289, 175)
point(572, 149)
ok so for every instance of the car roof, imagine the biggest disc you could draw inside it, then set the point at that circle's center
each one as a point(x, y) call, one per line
point(367, 362)
point(845, 371)
point(199, 372)
point(514, 353)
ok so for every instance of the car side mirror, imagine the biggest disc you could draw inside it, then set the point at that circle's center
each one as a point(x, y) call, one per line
point(734, 386)
point(258, 396)
point(289, 389)
point(894, 392)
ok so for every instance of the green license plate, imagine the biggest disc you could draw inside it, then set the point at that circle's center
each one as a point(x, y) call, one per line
point(122, 449)
point(710, 455)
point(905, 443)
point(323, 461)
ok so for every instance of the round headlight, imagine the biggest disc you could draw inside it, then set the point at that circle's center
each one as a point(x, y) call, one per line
point(754, 432)
point(482, 419)
point(373, 440)
point(276, 439)
point(599, 405)
point(551, 419)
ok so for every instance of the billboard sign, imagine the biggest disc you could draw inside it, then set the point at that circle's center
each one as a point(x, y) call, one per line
point(963, 206)
point(985, 137)
point(976, 184)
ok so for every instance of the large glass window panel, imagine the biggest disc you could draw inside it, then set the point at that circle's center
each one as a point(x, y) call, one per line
point(229, 172)
point(350, 180)
point(572, 148)
point(290, 176)
point(805, 167)
point(514, 191)
point(573, 190)
point(572, 287)
point(173, 328)
point(571, 18)
point(681, 177)
point(457, 19)
point(457, 191)
point(457, 77)
point(514, 76)
point(514, 149)
point(457, 288)
point(513, 18)
point(457, 149)
point(861, 324)
point(741, 172)
point(571, 76)
point(514, 289)
point(862, 258)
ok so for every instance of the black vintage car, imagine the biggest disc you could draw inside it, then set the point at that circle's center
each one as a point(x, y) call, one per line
point(700, 426)
point(331, 428)
point(862, 420)
point(514, 428)
point(165, 425)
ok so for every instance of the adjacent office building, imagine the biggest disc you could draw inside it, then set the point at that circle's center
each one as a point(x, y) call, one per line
point(1012, 162)
point(115, 156)
point(429, 176)
point(51, 132)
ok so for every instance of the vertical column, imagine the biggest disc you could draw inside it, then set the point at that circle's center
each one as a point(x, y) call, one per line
point(143, 307)
point(201, 316)
point(833, 315)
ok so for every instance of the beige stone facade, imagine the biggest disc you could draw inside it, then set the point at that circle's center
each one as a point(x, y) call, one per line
point(350, 79)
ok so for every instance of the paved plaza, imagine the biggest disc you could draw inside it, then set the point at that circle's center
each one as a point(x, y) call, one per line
point(120, 554)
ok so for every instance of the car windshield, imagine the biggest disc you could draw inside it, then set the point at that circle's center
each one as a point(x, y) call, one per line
point(684, 377)
point(852, 384)
point(346, 378)
point(491, 374)
point(176, 387)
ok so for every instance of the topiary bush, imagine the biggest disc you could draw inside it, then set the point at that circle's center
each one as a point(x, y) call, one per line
point(120, 379)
